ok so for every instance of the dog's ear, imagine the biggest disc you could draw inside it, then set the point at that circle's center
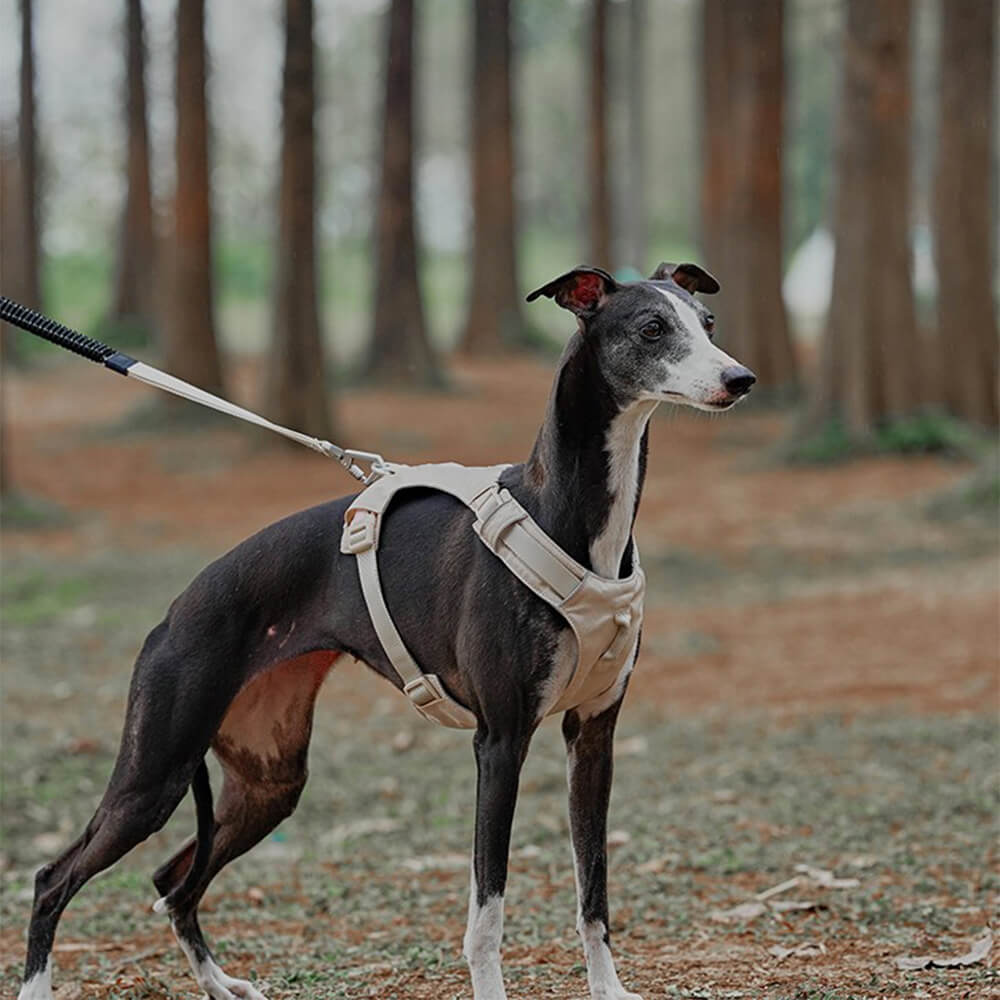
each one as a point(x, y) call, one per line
point(690, 277)
point(583, 290)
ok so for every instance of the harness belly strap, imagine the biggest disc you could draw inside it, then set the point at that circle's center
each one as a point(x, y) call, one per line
point(605, 615)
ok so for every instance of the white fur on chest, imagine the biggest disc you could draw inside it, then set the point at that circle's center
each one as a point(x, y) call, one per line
point(621, 444)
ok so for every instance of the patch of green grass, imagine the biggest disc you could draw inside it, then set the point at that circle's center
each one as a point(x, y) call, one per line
point(33, 598)
point(927, 433)
point(978, 495)
point(24, 512)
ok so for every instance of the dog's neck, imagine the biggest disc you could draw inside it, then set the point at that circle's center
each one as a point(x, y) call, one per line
point(588, 464)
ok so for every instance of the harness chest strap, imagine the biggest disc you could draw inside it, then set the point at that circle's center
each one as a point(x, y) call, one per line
point(509, 532)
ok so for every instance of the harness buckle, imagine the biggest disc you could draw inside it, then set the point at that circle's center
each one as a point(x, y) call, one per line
point(421, 692)
point(360, 533)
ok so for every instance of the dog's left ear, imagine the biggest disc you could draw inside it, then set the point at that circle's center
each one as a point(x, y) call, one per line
point(690, 277)
point(583, 290)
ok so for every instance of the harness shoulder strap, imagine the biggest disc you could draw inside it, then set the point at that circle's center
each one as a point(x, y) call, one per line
point(362, 521)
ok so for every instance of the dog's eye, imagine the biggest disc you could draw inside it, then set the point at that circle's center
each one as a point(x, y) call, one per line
point(652, 331)
point(709, 324)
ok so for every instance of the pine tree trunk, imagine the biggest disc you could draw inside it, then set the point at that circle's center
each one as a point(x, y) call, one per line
point(716, 136)
point(493, 322)
point(135, 278)
point(28, 153)
point(189, 344)
point(754, 321)
point(965, 378)
point(599, 204)
point(297, 395)
point(869, 369)
point(400, 352)
point(637, 239)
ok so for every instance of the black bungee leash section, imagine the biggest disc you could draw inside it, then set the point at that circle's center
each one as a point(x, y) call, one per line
point(93, 350)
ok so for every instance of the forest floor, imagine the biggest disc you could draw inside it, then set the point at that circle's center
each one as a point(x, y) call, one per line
point(818, 686)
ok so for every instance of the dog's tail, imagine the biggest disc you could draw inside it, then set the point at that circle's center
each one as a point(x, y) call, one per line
point(201, 788)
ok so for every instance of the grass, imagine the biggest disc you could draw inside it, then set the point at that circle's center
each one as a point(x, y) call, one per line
point(924, 433)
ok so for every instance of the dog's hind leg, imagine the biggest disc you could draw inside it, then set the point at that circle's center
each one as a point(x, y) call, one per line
point(129, 812)
point(262, 744)
point(590, 750)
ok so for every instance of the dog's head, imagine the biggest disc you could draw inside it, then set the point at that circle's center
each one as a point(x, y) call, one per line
point(653, 338)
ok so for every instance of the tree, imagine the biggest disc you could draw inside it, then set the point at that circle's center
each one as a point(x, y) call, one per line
point(297, 388)
point(189, 342)
point(493, 321)
point(599, 204)
point(29, 166)
point(400, 351)
point(636, 239)
point(965, 374)
point(869, 368)
point(742, 48)
point(135, 280)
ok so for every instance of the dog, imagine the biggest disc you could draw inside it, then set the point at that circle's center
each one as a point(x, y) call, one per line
point(236, 664)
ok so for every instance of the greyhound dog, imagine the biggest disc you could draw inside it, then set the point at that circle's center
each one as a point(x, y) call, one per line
point(237, 662)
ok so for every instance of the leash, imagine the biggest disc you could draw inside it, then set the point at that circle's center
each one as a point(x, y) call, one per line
point(93, 350)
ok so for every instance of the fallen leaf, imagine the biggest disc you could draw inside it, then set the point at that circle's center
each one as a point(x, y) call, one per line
point(979, 950)
point(805, 950)
point(362, 827)
point(745, 911)
point(618, 838)
point(754, 909)
point(776, 889)
point(255, 895)
point(825, 879)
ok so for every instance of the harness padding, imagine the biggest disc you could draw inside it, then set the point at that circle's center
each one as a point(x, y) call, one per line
point(604, 614)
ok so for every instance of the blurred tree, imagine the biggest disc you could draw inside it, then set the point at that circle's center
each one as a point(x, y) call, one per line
point(29, 166)
point(598, 206)
point(493, 320)
point(190, 347)
point(716, 173)
point(400, 352)
point(636, 235)
point(13, 260)
point(135, 279)
point(297, 394)
point(965, 366)
point(755, 324)
point(869, 367)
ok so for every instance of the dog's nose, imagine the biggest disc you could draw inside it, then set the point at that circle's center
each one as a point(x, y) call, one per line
point(737, 380)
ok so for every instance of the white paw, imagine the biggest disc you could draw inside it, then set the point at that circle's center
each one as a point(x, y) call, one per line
point(218, 986)
point(39, 986)
point(619, 993)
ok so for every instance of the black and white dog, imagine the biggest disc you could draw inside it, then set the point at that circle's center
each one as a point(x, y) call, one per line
point(236, 664)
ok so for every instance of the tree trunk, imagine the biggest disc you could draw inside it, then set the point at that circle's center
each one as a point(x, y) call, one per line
point(716, 138)
point(494, 322)
point(754, 321)
point(28, 153)
point(400, 352)
point(190, 346)
point(135, 278)
point(965, 376)
point(869, 369)
point(599, 207)
point(637, 240)
point(297, 393)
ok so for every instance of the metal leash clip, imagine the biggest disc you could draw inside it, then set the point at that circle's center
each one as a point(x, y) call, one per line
point(349, 457)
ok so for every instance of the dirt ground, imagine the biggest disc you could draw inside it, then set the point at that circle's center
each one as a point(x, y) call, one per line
point(818, 684)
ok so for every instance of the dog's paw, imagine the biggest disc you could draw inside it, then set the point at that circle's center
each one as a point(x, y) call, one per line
point(219, 986)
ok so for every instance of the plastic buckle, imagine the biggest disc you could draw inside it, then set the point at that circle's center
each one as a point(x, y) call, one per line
point(359, 533)
point(421, 691)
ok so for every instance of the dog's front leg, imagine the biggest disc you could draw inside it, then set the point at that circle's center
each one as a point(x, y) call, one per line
point(589, 747)
point(498, 760)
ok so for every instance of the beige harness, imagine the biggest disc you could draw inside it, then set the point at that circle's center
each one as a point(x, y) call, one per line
point(605, 615)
